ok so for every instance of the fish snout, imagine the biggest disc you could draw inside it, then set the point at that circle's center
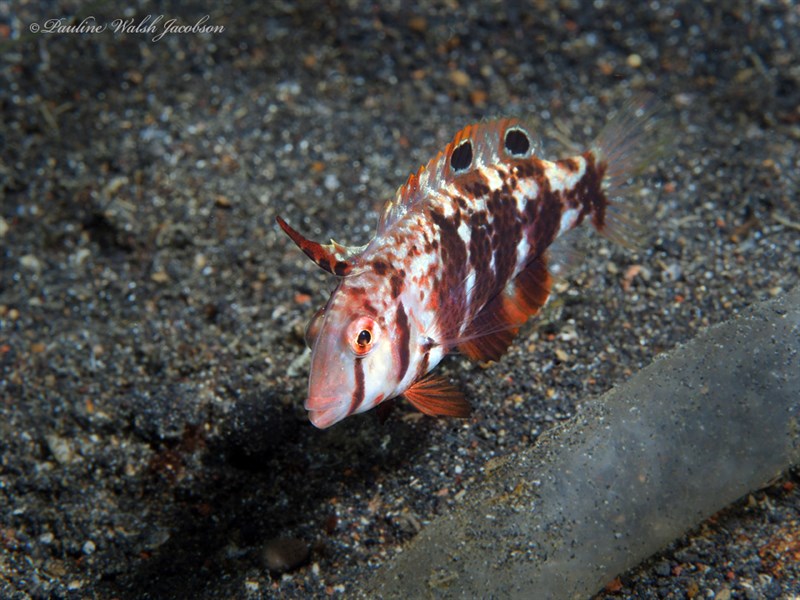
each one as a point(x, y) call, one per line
point(324, 411)
point(322, 419)
point(316, 403)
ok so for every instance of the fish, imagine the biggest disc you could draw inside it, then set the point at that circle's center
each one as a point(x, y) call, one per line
point(465, 253)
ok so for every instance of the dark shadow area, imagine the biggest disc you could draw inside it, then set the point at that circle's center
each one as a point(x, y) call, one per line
point(267, 472)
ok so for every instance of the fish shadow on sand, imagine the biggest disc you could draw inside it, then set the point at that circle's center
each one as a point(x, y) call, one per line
point(214, 499)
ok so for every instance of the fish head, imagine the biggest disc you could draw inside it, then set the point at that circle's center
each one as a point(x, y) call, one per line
point(353, 359)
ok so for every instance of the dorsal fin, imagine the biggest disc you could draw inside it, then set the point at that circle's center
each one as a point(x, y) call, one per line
point(487, 149)
point(334, 258)
point(493, 329)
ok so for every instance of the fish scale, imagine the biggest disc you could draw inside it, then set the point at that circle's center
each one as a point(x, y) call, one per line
point(465, 253)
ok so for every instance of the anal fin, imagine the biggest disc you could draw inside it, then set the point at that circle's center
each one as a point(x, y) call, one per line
point(495, 326)
point(434, 396)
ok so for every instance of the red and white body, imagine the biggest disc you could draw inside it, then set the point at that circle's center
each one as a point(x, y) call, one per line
point(463, 256)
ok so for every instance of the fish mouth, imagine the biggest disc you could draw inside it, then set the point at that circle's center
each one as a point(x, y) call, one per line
point(315, 403)
point(324, 411)
point(322, 419)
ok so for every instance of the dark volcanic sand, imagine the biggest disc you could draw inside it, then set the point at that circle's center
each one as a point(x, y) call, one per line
point(152, 434)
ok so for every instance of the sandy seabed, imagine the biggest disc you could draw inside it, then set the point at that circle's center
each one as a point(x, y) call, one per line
point(152, 365)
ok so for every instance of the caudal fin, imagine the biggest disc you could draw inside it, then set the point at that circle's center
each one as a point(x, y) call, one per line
point(632, 141)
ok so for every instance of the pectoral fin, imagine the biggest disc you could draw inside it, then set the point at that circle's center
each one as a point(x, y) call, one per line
point(434, 396)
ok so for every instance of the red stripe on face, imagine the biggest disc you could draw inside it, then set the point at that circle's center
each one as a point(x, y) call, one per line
point(358, 391)
point(403, 342)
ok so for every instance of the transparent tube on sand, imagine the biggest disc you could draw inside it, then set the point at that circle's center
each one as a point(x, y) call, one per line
point(703, 425)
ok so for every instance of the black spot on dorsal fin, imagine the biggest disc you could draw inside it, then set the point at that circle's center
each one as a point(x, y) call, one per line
point(461, 158)
point(517, 142)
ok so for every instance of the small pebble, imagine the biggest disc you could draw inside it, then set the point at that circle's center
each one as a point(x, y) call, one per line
point(418, 24)
point(634, 61)
point(331, 182)
point(459, 78)
point(663, 569)
point(31, 263)
point(672, 272)
point(79, 257)
point(89, 548)
point(47, 538)
point(60, 448)
point(285, 554)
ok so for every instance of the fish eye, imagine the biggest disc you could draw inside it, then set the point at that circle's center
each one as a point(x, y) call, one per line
point(361, 335)
point(517, 142)
point(364, 338)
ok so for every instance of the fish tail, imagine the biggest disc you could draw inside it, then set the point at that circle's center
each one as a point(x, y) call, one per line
point(632, 141)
